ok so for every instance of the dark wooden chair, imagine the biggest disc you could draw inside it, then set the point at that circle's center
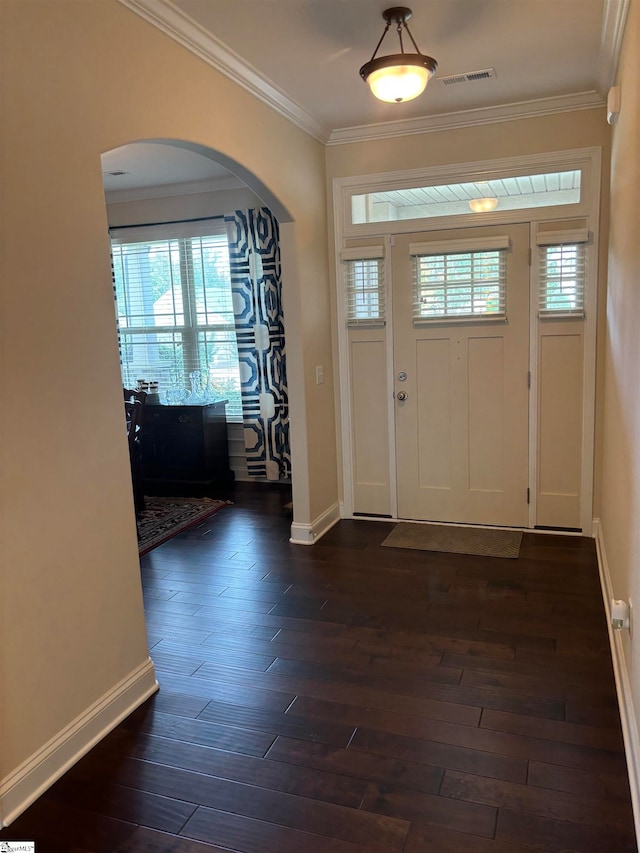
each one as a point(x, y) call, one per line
point(133, 413)
point(131, 394)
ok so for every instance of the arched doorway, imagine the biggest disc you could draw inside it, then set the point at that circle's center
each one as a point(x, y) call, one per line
point(177, 186)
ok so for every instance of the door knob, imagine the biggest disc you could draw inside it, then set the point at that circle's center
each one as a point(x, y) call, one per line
point(401, 395)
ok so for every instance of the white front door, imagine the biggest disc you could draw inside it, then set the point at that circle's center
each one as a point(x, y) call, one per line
point(461, 392)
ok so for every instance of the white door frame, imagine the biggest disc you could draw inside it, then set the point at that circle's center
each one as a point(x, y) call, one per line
point(588, 160)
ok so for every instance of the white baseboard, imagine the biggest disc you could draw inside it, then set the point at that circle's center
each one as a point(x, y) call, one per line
point(308, 534)
point(32, 778)
point(623, 684)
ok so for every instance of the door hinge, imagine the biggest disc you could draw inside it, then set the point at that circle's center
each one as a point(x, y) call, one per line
point(528, 496)
point(528, 379)
point(530, 257)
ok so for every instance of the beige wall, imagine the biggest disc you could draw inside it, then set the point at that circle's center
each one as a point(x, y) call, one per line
point(559, 132)
point(620, 511)
point(486, 142)
point(80, 79)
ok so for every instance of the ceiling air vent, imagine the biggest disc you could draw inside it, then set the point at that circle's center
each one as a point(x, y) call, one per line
point(468, 77)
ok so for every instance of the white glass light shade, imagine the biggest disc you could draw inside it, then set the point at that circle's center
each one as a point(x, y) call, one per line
point(483, 205)
point(398, 83)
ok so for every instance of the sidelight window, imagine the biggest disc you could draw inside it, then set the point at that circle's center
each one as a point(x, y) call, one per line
point(562, 273)
point(364, 285)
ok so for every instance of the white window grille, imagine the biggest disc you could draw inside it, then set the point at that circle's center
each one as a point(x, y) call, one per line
point(562, 273)
point(460, 280)
point(364, 286)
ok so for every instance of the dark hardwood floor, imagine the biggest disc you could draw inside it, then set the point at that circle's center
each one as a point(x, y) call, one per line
point(347, 697)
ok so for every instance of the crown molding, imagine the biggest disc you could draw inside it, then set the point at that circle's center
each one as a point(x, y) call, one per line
point(183, 29)
point(613, 24)
point(171, 190)
point(468, 118)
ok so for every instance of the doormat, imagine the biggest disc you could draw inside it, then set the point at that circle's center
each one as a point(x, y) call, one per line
point(164, 518)
point(478, 541)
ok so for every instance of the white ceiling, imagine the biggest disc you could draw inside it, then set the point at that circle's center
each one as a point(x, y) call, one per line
point(155, 164)
point(312, 50)
point(303, 56)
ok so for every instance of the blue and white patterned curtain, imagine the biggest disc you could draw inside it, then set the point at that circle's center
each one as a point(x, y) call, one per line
point(254, 257)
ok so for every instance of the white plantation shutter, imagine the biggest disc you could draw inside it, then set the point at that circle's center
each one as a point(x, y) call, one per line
point(460, 280)
point(174, 308)
point(562, 273)
point(364, 285)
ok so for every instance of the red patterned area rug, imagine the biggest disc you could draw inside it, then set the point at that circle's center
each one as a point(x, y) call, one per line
point(164, 518)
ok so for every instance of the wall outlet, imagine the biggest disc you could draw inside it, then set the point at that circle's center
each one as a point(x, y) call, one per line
point(619, 614)
point(319, 374)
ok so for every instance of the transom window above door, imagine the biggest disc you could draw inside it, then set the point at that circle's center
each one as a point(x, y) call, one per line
point(518, 192)
point(562, 185)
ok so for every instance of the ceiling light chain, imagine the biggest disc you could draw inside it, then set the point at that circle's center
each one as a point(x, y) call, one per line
point(401, 76)
point(406, 26)
point(386, 30)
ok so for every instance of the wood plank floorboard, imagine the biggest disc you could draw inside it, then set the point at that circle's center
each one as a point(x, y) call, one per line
point(354, 698)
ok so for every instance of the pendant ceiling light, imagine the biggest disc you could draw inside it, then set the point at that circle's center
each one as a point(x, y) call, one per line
point(402, 76)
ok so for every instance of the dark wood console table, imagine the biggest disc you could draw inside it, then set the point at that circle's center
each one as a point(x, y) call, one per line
point(185, 449)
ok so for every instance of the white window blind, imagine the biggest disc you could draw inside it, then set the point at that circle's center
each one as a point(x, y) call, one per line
point(454, 285)
point(364, 286)
point(562, 273)
point(175, 314)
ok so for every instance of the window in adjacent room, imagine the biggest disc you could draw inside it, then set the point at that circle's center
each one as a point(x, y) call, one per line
point(174, 309)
